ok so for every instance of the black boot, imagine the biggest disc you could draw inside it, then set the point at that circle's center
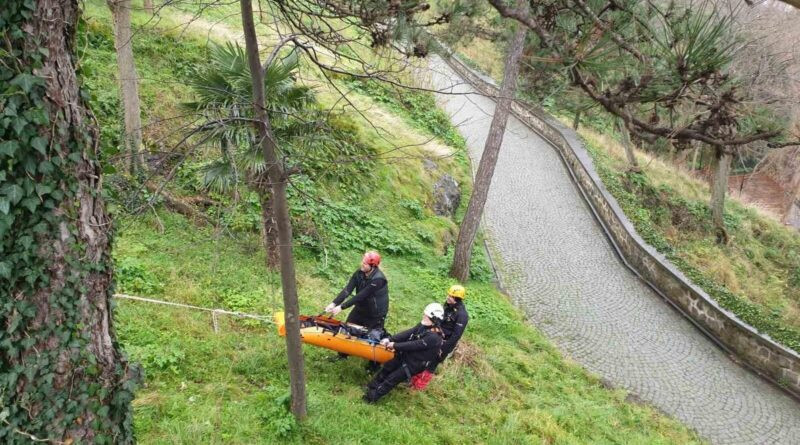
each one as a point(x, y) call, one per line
point(372, 396)
point(373, 384)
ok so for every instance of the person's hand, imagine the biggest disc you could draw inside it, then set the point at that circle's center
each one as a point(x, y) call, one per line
point(390, 346)
point(336, 310)
point(385, 341)
point(329, 308)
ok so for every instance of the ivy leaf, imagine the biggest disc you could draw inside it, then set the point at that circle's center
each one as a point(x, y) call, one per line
point(19, 125)
point(8, 148)
point(5, 270)
point(26, 81)
point(43, 189)
point(40, 144)
point(4, 414)
point(31, 203)
point(4, 205)
point(13, 192)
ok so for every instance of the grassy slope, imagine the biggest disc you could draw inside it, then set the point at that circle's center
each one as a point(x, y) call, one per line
point(507, 384)
point(756, 276)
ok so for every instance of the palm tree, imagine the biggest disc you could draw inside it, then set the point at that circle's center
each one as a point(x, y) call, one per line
point(223, 92)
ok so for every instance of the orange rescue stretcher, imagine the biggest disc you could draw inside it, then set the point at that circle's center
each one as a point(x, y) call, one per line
point(347, 338)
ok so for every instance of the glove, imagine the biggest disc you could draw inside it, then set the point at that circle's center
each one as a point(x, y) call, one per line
point(329, 308)
point(336, 310)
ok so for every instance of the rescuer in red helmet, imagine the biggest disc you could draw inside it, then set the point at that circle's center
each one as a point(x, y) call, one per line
point(371, 300)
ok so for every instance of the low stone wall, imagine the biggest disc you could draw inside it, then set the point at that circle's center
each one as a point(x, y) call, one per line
point(759, 352)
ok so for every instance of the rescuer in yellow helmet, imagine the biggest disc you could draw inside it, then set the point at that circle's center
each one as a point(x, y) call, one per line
point(454, 322)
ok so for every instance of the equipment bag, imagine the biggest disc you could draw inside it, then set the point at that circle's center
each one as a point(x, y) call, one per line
point(421, 380)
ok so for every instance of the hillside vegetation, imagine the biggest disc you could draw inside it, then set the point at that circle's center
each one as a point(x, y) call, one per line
point(756, 275)
point(506, 383)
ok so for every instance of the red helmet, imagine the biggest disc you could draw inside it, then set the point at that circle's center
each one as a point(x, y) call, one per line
point(372, 258)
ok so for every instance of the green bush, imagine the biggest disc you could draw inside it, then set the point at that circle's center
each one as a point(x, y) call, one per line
point(413, 207)
point(328, 225)
point(132, 277)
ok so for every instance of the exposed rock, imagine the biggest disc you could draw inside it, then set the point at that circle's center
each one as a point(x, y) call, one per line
point(429, 165)
point(446, 196)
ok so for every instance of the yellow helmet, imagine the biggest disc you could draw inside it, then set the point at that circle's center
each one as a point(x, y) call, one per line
point(456, 291)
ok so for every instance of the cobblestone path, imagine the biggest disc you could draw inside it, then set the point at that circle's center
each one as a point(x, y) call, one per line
point(559, 267)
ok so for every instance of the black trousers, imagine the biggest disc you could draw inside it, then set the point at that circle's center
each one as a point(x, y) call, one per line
point(442, 355)
point(368, 321)
point(392, 374)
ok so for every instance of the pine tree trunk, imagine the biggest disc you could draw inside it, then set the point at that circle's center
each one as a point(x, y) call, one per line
point(269, 229)
point(128, 82)
point(483, 178)
point(148, 7)
point(633, 165)
point(63, 378)
point(718, 190)
point(277, 177)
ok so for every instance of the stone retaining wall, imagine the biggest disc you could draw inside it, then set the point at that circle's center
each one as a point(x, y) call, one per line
point(759, 352)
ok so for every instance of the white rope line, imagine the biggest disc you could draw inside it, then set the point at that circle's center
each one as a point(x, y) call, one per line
point(214, 312)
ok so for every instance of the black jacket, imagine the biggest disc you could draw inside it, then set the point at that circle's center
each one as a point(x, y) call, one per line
point(453, 324)
point(371, 300)
point(417, 347)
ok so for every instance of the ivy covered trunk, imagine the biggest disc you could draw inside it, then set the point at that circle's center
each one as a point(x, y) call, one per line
point(63, 378)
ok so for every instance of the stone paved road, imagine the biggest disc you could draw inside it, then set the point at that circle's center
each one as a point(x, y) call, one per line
point(573, 287)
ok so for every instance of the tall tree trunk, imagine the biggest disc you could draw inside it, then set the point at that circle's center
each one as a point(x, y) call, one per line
point(63, 378)
point(633, 165)
point(269, 229)
point(718, 190)
point(491, 150)
point(277, 177)
point(148, 7)
point(576, 121)
point(128, 82)
point(694, 157)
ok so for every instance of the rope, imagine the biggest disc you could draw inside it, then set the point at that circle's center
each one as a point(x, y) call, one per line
point(214, 312)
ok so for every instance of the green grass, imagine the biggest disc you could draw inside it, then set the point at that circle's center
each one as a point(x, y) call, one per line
point(505, 384)
point(756, 276)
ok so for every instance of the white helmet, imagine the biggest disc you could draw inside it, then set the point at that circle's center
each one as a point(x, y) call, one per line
point(434, 310)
